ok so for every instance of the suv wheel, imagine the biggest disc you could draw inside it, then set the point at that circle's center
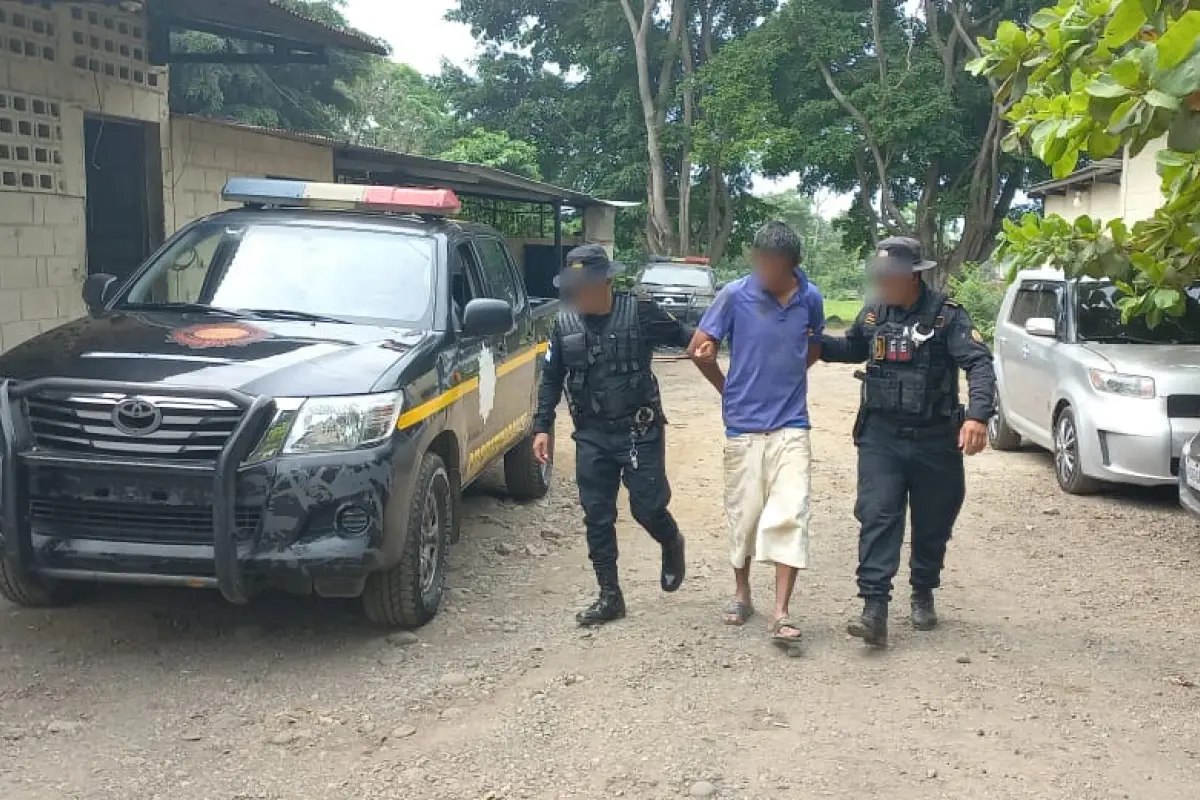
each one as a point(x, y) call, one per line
point(1067, 465)
point(408, 595)
point(525, 477)
point(31, 591)
point(1000, 436)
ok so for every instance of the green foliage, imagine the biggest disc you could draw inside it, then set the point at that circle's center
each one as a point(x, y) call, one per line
point(496, 149)
point(393, 107)
point(976, 289)
point(1087, 78)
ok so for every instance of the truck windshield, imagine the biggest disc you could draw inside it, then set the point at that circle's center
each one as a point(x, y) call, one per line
point(671, 275)
point(296, 270)
point(1100, 319)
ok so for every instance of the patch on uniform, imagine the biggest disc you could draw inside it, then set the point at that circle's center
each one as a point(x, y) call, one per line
point(880, 348)
point(976, 336)
point(226, 334)
point(869, 319)
point(939, 321)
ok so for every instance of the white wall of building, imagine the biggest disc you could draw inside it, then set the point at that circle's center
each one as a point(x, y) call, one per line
point(1099, 201)
point(1141, 186)
point(73, 60)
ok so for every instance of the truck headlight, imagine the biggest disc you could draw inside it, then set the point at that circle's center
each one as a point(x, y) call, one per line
point(1123, 385)
point(329, 424)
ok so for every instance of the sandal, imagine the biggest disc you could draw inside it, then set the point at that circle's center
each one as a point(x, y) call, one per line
point(737, 612)
point(777, 627)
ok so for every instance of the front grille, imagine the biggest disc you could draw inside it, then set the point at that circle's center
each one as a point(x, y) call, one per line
point(190, 430)
point(132, 522)
point(675, 299)
point(1183, 406)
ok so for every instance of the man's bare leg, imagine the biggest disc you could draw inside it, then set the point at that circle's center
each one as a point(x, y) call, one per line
point(740, 608)
point(785, 582)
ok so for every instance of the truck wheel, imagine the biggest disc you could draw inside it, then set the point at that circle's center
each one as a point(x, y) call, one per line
point(30, 591)
point(408, 595)
point(525, 477)
point(1000, 436)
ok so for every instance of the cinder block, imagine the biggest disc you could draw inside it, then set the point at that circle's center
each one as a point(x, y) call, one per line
point(18, 273)
point(70, 303)
point(60, 271)
point(39, 304)
point(15, 333)
point(35, 241)
point(17, 208)
point(10, 306)
point(69, 242)
point(62, 211)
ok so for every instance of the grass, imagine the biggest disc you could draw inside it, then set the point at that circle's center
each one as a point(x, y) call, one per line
point(844, 310)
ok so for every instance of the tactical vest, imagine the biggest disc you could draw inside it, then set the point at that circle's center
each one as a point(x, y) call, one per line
point(608, 371)
point(910, 375)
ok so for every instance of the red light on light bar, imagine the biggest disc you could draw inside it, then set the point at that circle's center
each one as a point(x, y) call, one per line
point(414, 201)
point(695, 260)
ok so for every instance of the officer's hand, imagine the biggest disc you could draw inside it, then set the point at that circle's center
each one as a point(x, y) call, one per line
point(972, 438)
point(543, 446)
point(705, 351)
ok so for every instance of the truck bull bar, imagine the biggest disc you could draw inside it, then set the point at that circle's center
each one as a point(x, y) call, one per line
point(17, 440)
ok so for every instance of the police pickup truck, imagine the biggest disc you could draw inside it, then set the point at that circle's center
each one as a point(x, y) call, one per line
point(292, 394)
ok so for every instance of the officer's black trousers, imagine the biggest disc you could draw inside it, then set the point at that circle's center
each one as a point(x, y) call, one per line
point(602, 460)
point(899, 468)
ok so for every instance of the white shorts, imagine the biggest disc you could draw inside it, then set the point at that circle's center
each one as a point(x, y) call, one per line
point(767, 480)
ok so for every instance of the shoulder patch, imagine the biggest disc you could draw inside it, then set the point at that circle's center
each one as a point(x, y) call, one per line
point(976, 336)
point(869, 319)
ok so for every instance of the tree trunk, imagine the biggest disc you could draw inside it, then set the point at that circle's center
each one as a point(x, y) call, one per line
point(724, 230)
point(685, 160)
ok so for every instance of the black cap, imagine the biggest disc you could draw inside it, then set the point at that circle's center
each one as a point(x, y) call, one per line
point(898, 255)
point(587, 264)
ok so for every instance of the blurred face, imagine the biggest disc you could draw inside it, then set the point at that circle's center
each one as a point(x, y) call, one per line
point(775, 270)
point(591, 298)
point(897, 290)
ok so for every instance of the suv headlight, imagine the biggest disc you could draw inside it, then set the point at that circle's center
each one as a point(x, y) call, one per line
point(329, 424)
point(1123, 385)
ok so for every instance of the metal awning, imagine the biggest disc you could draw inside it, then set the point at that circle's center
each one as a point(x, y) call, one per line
point(260, 21)
point(1106, 170)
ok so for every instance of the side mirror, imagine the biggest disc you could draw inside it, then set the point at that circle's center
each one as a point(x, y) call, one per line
point(487, 317)
point(1043, 327)
point(98, 289)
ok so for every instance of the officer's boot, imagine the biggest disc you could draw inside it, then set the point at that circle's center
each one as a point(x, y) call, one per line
point(609, 606)
point(872, 625)
point(674, 564)
point(924, 614)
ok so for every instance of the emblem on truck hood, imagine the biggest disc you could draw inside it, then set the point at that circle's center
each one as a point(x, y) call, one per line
point(136, 416)
point(225, 334)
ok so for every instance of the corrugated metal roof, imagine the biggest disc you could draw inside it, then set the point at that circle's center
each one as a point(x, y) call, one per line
point(468, 179)
point(270, 18)
point(1106, 170)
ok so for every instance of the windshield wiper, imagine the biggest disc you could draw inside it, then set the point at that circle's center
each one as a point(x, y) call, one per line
point(299, 316)
point(199, 308)
point(1127, 339)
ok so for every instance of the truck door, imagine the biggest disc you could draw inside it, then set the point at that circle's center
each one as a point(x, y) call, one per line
point(466, 284)
point(513, 352)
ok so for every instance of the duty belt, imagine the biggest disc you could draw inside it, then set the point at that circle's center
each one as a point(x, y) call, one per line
point(928, 430)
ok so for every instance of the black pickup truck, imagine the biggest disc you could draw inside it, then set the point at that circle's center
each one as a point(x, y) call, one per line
point(292, 394)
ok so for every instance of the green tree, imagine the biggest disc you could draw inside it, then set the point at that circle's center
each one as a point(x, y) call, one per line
point(393, 106)
point(862, 97)
point(298, 97)
point(1086, 79)
point(496, 149)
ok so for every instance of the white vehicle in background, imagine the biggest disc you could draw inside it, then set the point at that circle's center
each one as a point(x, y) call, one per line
point(1113, 402)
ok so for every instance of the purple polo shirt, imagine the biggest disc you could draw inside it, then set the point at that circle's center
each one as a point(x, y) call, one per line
point(767, 385)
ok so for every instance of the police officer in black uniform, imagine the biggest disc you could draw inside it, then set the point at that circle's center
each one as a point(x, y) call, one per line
point(911, 430)
point(600, 352)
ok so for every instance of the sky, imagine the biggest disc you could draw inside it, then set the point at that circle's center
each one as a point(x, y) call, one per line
point(421, 36)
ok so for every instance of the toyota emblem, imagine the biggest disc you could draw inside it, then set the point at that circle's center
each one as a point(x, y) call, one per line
point(135, 416)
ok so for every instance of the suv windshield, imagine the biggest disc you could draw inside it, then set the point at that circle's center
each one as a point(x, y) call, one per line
point(672, 275)
point(292, 271)
point(1100, 319)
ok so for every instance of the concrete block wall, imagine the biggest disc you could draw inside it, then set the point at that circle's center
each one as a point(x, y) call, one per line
point(57, 64)
point(201, 155)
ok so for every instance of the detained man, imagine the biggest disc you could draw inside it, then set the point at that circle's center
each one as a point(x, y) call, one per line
point(773, 320)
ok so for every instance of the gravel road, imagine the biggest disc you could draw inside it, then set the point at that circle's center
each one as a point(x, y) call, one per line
point(1066, 665)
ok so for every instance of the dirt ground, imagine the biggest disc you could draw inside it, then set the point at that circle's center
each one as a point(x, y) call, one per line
point(1064, 667)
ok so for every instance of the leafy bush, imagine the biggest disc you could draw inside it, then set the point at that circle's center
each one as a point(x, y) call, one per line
point(977, 291)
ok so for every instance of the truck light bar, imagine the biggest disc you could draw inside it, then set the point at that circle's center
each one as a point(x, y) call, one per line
point(343, 196)
point(700, 260)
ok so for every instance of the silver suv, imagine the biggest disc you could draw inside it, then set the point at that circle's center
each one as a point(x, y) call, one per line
point(1114, 402)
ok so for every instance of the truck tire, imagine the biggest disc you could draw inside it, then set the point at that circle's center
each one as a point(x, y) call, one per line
point(1000, 436)
point(525, 477)
point(408, 595)
point(29, 591)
